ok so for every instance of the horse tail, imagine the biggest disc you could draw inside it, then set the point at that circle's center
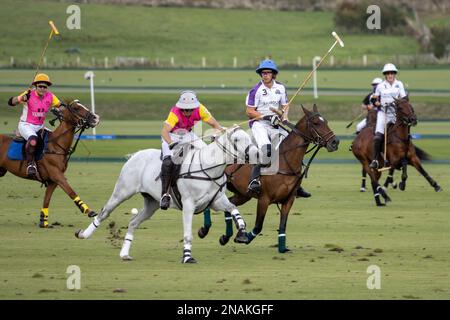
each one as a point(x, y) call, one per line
point(422, 154)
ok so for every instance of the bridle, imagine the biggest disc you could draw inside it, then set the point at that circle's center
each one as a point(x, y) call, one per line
point(80, 124)
point(234, 153)
point(405, 119)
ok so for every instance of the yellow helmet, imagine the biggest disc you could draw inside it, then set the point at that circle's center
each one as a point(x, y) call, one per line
point(42, 77)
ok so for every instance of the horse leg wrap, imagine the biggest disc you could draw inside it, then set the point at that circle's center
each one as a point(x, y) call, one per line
point(251, 235)
point(81, 205)
point(91, 228)
point(207, 218)
point(43, 222)
point(239, 222)
point(229, 224)
point(125, 251)
point(282, 243)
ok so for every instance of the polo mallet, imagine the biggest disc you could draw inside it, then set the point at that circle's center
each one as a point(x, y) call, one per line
point(385, 144)
point(53, 31)
point(351, 122)
point(341, 43)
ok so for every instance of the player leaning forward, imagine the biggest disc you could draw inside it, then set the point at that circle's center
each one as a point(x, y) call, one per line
point(178, 127)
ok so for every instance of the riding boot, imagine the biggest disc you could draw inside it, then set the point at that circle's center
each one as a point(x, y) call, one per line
point(254, 185)
point(31, 164)
point(166, 175)
point(377, 143)
point(302, 193)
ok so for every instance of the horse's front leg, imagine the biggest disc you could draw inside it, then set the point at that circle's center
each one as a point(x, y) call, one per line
point(61, 180)
point(402, 184)
point(231, 213)
point(43, 222)
point(363, 180)
point(285, 208)
point(263, 204)
point(203, 231)
point(188, 213)
point(390, 179)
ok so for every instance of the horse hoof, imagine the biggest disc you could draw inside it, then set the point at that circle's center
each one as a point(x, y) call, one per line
point(285, 250)
point(92, 214)
point(43, 224)
point(203, 232)
point(241, 237)
point(394, 185)
point(437, 188)
point(381, 204)
point(362, 190)
point(387, 199)
point(79, 234)
point(402, 186)
point(223, 240)
point(126, 258)
point(188, 260)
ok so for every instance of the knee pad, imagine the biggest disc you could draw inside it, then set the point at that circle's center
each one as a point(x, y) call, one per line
point(32, 141)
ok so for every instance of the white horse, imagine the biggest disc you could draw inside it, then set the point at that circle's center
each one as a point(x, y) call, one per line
point(201, 184)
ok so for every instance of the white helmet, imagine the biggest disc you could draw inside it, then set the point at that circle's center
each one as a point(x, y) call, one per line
point(188, 100)
point(376, 81)
point(389, 67)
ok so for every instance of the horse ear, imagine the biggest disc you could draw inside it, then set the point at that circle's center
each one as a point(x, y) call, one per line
point(306, 111)
point(315, 108)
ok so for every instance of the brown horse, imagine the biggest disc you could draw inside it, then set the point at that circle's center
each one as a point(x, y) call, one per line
point(281, 187)
point(74, 118)
point(400, 150)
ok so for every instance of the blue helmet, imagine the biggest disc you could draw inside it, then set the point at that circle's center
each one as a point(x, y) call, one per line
point(267, 65)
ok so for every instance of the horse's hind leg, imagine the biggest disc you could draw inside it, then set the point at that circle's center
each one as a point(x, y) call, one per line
point(263, 204)
point(415, 161)
point(43, 222)
point(376, 187)
point(203, 231)
point(150, 206)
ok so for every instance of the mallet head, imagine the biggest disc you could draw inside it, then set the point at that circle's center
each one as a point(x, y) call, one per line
point(52, 25)
point(341, 43)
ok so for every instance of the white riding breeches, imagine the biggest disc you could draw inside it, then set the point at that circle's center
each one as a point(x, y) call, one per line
point(27, 130)
point(264, 133)
point(382, 117)
point(361, 125)
point(189, 137)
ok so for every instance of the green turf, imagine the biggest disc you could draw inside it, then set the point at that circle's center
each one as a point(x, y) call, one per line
point(108, 30)
point(415, 80)
point(408, 240)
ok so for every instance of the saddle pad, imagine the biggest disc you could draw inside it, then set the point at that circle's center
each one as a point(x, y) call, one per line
point(16, 150)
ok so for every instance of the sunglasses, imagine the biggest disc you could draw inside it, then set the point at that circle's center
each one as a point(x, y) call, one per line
point(187, 110)
point(42, 86)
point(266, 72)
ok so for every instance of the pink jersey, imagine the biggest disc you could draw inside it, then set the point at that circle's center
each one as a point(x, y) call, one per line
point(184, 122)
point(36, 108)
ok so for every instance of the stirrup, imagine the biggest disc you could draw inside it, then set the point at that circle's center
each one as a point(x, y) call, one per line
point(254, 186)
point(164, 204)
point(31, 170)
point(374, 164)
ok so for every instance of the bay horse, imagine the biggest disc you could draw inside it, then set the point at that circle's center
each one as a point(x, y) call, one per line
point(400, 150)
point(279, 188)
point(74, 118)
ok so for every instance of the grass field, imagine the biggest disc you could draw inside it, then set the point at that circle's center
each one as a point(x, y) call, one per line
point(408, 240)
point(109, 30)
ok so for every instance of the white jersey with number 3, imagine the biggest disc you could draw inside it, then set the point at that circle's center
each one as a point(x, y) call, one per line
point(263, 98)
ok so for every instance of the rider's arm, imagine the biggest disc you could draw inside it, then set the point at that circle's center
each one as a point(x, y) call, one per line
point(252, 113)
point(55, 102)
point(165, 132)
point(23, 97)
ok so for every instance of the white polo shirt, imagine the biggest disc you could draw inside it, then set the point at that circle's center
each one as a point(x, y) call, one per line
point(262, 98)
point(388, 92)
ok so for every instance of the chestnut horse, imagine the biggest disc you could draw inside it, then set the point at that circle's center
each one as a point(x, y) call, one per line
point(279, 188)
point(74, 118)
point(400, 150)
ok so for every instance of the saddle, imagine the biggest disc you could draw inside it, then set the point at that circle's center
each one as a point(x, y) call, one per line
point(16, 150)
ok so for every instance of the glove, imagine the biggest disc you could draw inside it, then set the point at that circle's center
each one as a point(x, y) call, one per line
point(173, 145)
point(274, 119)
